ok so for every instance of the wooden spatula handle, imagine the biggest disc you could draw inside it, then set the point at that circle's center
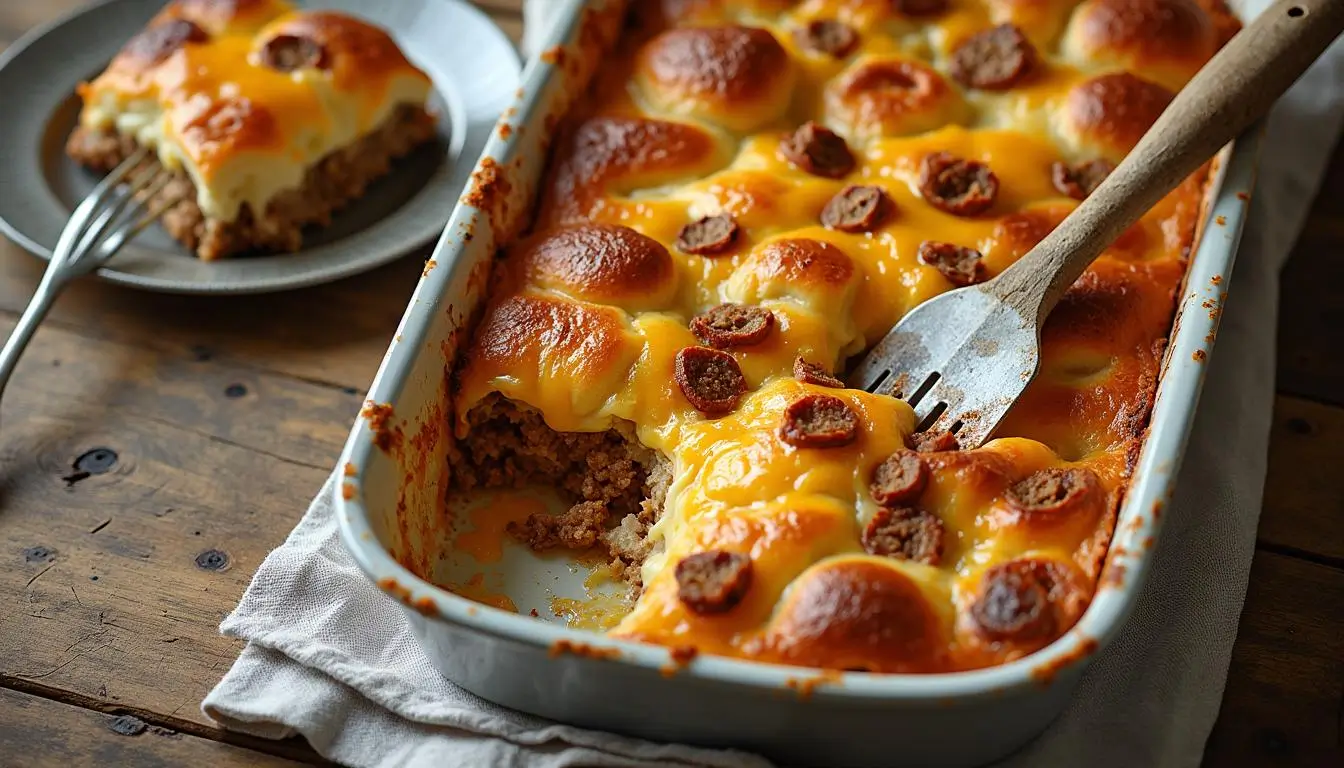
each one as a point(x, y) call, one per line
point(1235, 88)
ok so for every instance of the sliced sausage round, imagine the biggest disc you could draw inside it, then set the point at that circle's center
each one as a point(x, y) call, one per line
point(828, 36)
point(1013, 601)
point(994, 60)
point(900, 478)
point(708, 236)
point(856, 208)
point(713, 581)
point(957, 186)
point(1080, 180)
point(1052, 490)
point(288, 53)
point(733, 325)
point(905, 534)
point(818, 150)
point(819, 421)
point(711, 380)
point(812, 373)
point(961, 266)
point(917, 8)
point(934, 442)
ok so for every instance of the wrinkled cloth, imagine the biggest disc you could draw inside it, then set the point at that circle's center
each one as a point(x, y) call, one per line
point(329, 657)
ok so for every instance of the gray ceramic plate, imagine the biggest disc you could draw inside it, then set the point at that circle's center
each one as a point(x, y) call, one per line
point(475, 70)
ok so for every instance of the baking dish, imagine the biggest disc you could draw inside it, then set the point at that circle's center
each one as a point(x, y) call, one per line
point(394, 520)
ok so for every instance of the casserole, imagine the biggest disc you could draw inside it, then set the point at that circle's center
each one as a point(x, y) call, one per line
point(397, 532)
point(263, 119)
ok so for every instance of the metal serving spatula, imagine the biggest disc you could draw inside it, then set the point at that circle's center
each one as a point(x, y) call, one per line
point(963, 358)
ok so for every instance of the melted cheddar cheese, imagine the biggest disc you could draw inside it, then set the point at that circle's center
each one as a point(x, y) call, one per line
point(687, 120)
point(197, 87)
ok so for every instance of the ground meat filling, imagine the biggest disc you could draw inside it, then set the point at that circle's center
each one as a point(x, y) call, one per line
point(733, 325)
point(288, 53)
point(819, 421)
point(818, 151)
point(856, 209)
point(993, 60)
point(616, 485)
point(899, 479)
point(827, 36)
point(1013, 602)
point(957, 186)
point(578, 528)
point(711, 380)
point(812, 373)
point(960, 265)
point(713, 581)
point(708, 236)
point(905, 534)
point(1082, 179)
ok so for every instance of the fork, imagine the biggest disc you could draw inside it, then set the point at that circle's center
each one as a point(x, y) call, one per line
point(963, 358)
point(115, 211)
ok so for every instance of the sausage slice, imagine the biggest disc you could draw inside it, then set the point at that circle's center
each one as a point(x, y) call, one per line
point(957, 186)
point(711, 380)
point(819, 421)
point(713, 581)
point(733, 325)
point(818, 150)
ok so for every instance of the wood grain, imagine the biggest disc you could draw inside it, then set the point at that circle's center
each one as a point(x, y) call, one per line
point(1282, 702)
point(1311, 314)
point(334, 334)
point(37, 732)
point(1304, 489)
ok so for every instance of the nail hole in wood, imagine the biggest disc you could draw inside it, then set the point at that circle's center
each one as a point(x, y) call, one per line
point(212, 560)
point(1296, 12)
point(39, 554)
point(235, 390)
point(126, 725)
point(96, 461)
point(91, 462)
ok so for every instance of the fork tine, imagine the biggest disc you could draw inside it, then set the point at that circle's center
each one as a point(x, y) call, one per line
point(117, 240)
point(115, 205)
point(83, 214)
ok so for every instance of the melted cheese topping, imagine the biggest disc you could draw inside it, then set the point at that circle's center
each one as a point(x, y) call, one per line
point(683, 124)
point(243, 131)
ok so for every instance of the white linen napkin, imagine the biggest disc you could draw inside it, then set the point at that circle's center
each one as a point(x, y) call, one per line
point(329, 657)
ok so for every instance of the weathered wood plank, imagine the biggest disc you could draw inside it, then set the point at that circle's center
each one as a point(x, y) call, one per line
point(112, 586)
point(1285, 688)
point(1311, 314)
point(66, 372)
point(39, 732)
point(1304, 488)
point(335, 334)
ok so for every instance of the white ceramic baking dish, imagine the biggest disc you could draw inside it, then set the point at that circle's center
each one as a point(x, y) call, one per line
point(394, 520)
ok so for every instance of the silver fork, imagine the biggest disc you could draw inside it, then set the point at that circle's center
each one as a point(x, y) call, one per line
point(963, 358)
point(114, 212)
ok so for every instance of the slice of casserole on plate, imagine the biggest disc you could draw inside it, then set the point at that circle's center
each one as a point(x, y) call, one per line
point(267, 118)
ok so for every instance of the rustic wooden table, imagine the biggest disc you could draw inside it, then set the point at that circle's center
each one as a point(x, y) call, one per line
point(155, 448)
